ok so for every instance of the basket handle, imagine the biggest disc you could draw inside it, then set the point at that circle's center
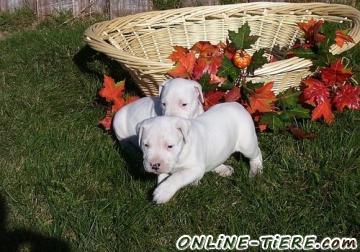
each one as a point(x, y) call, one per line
point(352, 14)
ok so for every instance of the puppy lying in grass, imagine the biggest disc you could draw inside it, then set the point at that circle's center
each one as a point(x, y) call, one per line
point(178, 97)
point(180, 150)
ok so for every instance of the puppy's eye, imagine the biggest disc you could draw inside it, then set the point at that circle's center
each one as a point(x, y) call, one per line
point(146, 145)
point(164, 104)
point(184, 104)
point(170, 146)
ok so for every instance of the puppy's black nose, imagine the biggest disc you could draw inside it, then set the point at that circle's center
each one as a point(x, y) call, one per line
point(155, 166)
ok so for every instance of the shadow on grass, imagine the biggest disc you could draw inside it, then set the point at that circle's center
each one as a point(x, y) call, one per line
point(97, 64)
point(134, 163)
point(25, 240)
point(134, 160)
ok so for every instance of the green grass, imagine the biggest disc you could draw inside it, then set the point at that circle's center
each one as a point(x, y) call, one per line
point(63, 177)
point(17, 20)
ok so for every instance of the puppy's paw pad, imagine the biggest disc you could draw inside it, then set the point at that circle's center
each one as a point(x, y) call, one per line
point(224, 170)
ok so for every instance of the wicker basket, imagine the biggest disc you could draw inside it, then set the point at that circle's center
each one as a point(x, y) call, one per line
point(143, 42)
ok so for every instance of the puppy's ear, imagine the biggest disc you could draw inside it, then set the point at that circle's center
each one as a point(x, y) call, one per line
point(139, 131)
point(183, 125)
point(161, 87)
point(198, 90)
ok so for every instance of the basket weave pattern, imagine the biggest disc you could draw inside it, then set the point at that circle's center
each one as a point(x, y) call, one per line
point(143, 42)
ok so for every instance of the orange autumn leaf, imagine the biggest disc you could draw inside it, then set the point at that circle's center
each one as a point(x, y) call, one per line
point(323, 110)
point(110, 90)
point(179, 71)
point(114, 95)
point(206, 49)
point(184, 66)
point(117, 104)
point(178, 53)
point(341, 38)
point(262, 100)
point(120, 102)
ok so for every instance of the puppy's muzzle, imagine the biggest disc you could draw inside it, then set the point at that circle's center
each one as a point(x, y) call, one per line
point(155, 166)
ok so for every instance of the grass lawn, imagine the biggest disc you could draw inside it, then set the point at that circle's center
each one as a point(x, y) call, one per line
point(67, 184)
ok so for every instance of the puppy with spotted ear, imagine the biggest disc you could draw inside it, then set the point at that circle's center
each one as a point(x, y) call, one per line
point(180, 150)
point(178, 97)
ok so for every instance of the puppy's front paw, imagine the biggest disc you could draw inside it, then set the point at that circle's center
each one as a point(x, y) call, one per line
point(163, 194)
point(256, 168)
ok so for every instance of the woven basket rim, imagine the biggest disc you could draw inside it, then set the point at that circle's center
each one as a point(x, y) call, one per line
point(101, 36)
point(94, 31)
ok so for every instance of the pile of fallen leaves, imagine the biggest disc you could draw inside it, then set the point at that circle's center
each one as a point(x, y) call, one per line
point(331, 88)
point(223, 70)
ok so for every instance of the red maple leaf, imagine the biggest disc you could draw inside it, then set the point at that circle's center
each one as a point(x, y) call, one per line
point(212, 97)
point(107, 120)
point(312, 31)
point(214, 64)
point(184, 66)
point(233, 95)
point(262, 127)
point(257, 117)
point(315, 92)
point(206, 65)
point(227, 49)
point(341, 38)
point(201, 67)
point(323, 110)
point(336, 74)
point(347, 96)
point(111, 91)
point(262, 100)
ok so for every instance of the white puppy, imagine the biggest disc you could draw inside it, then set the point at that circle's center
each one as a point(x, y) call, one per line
point(180, 151)
point(178, 97)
